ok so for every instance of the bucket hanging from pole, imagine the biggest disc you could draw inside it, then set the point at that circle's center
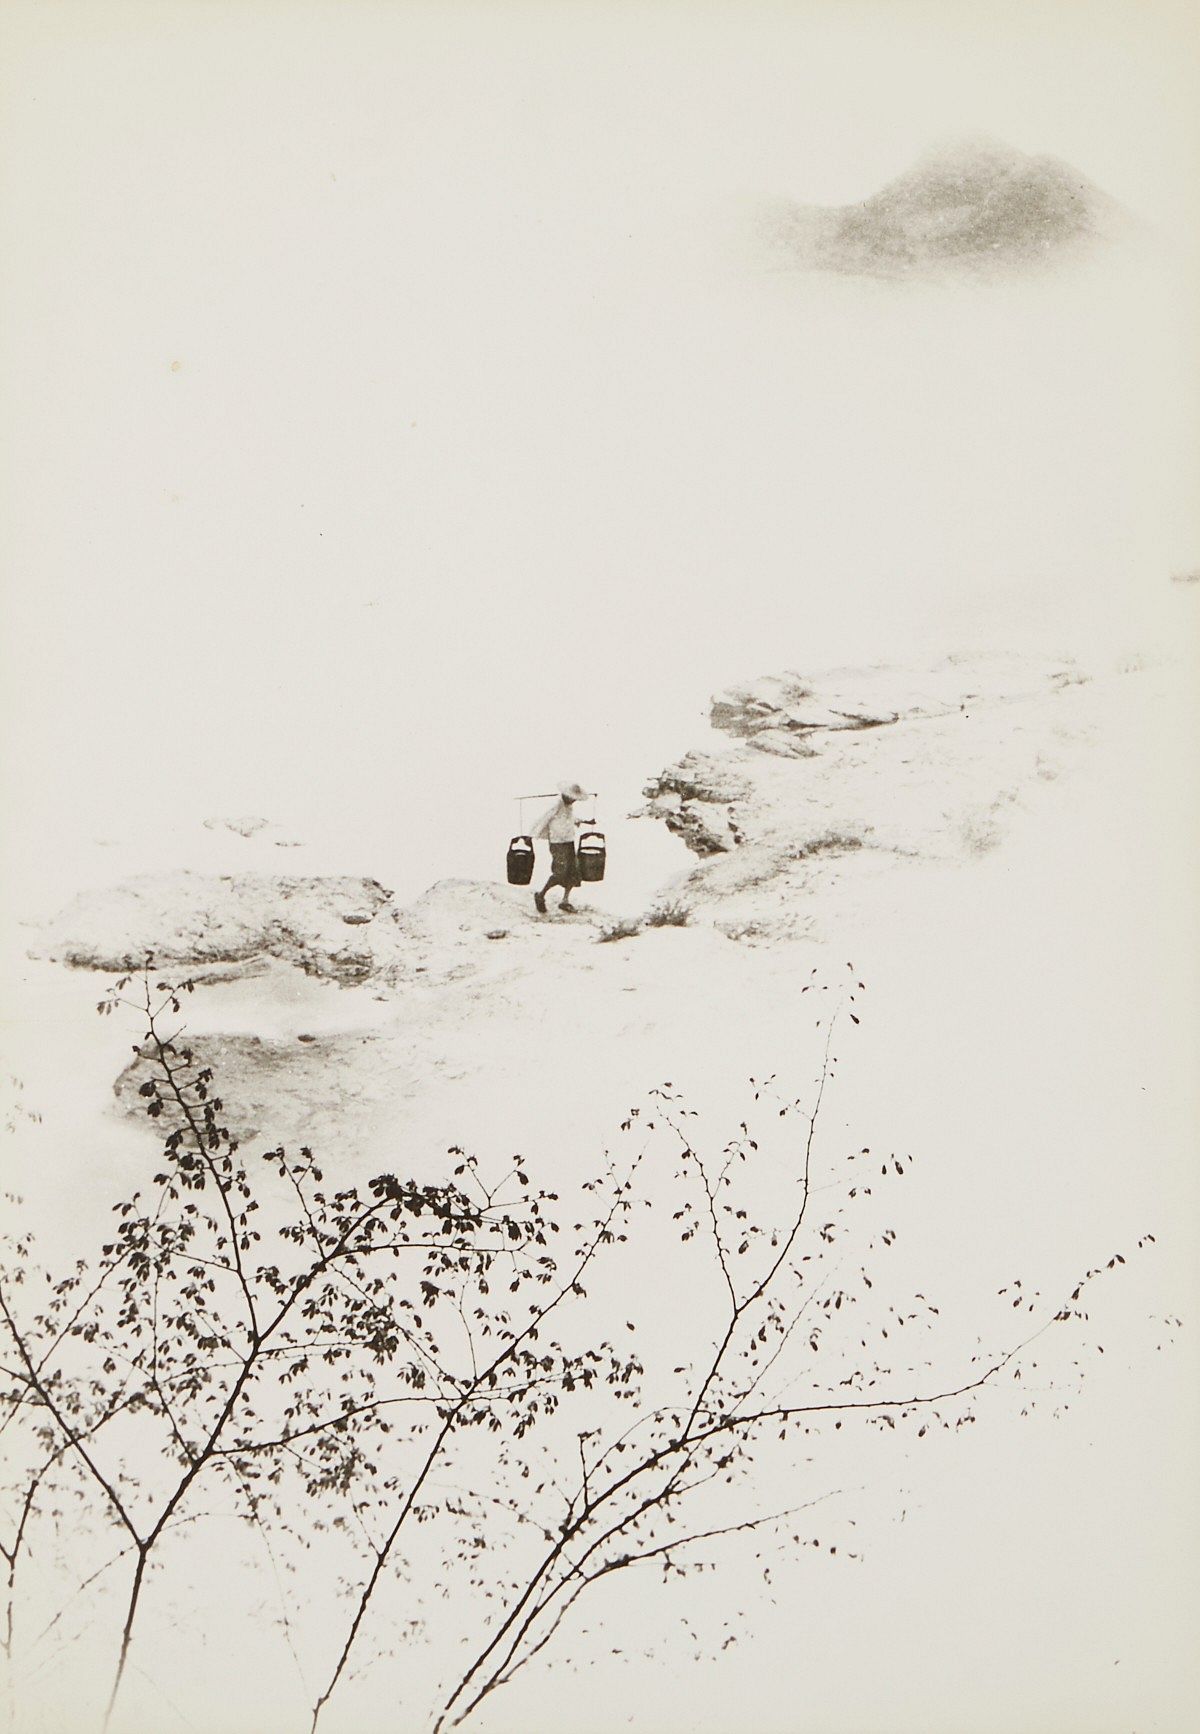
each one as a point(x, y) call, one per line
point(591, 854)
point(520, 860)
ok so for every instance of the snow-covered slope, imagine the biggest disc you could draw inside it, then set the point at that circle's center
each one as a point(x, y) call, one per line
point(845, 776)
point(830, 794)
point(988, 844)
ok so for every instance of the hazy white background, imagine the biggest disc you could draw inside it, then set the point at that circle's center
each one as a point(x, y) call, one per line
point(398, 416)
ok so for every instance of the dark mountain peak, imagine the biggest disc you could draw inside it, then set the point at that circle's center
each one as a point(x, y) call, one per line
point(971, 202)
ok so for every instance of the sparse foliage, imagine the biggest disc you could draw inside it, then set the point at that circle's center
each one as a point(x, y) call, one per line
point(673, 914)
point(625, 928)
point(442, 1374)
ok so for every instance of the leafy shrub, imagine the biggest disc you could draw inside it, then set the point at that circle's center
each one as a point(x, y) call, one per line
point(669, 915)
point(403, 1367)
point(624, 929)
point(830, 843)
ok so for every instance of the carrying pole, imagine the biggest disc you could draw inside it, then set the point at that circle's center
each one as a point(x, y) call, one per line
point(521, 800)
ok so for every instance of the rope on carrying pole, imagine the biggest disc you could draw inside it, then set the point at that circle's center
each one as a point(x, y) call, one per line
point(521, 800)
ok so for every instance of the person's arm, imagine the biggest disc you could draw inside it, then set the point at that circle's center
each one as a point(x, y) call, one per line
point(542, 828)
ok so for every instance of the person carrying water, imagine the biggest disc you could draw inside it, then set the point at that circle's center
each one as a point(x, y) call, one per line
point(557, 826)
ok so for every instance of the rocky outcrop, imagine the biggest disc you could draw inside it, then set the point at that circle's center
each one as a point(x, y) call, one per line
point(695, 799)
point(193, 921)
point(779, 710)
point(252, 826)
point(974, 204)
point(833, 774)
point(812, 793)
point(291, 1089)
point(213, 929)
point(465, 978)
point(782, 713)
point(822, 776)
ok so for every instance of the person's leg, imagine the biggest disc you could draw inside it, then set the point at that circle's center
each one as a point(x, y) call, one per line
point(539, 897)
point(570, 878)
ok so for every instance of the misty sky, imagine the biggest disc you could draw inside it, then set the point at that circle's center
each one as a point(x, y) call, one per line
point(402, 391)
